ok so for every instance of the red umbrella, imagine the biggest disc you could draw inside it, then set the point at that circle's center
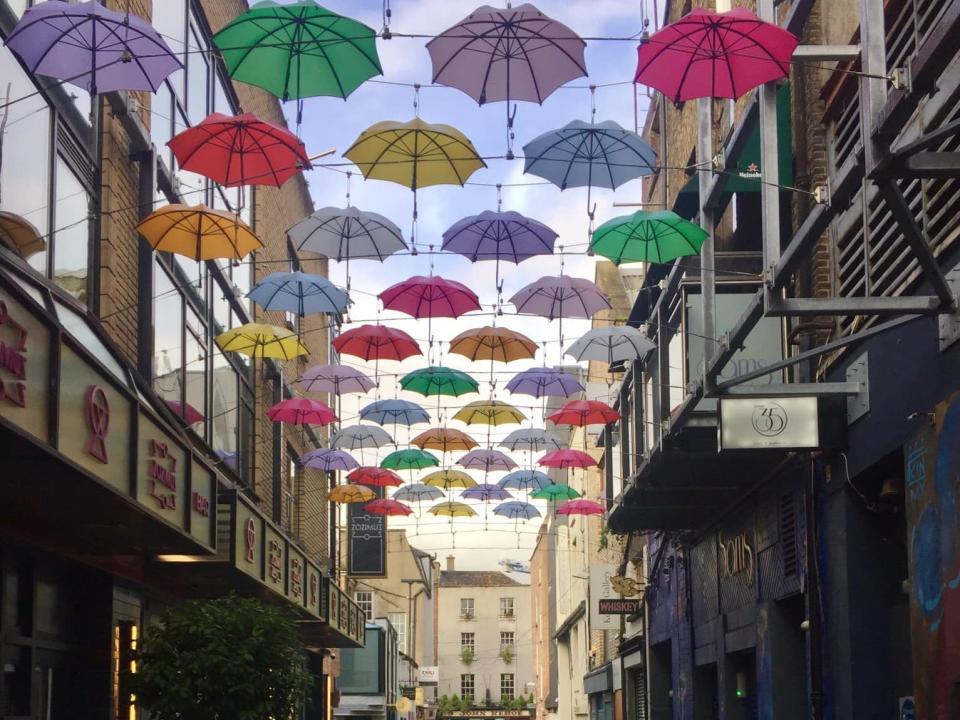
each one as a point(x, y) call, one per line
point(187, 411)
point(430, 297)
point(584, 412)
point(375, 477)
point(580, 507)
point(387, 506)
point(710, 54)
point(302, 411)
point(567, 458)
point(240, 150)
point(377, 342)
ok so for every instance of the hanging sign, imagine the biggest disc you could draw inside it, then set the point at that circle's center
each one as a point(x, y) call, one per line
point(367, 542)
point(774, 422)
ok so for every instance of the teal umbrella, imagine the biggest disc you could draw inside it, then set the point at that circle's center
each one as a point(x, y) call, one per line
point(437, 380)
point(409, 459)
point(555, 492)
point(660, 236)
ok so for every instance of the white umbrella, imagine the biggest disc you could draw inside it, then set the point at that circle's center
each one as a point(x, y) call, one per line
point(532, 439)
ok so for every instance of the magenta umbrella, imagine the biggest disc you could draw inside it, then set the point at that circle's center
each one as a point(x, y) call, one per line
point(335, 379)
point(487, 460)
point(567, 458)
point(187, 411)
point(429, 297)
point(580, 507)
point(302, 411)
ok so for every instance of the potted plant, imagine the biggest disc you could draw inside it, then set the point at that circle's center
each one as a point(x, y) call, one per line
point(467, 655)
point(506, 654)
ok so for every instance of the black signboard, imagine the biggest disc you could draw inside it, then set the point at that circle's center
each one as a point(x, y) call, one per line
point(367, 538)
point(625, 606)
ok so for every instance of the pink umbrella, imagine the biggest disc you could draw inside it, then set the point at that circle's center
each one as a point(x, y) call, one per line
point(430, 297)
point(187, 411)
point(580, 507)
point(567, 458)
point(375, 477)
point(387, 506)
point(302, 411)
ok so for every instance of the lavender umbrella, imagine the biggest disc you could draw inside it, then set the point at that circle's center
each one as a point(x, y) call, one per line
point(94, 48)
point(486, 492)
point(329, 460)
point(561, 296)
point(487, 460)
point(336, 379)
point(544, 382)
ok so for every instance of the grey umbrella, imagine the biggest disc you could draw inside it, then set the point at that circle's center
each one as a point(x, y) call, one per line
point(611, 344)
point(532, 439)
point(358, 437)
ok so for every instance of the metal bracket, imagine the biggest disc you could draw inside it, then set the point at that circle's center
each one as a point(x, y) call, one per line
point(821, 194)
point(859, 405)
point(901, 79)
point(949, 323)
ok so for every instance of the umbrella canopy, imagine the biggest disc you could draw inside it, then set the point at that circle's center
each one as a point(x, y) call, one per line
point(350, 494)
point(19, 234)
point(187, 411)
point(544, 382)
point(360, 437)
point(531, 439)
point(584, 412)
point(198, 232)
point(555, 492)
point(452, 509)
point(347, 234)
point(582, 154)
point(449, 479)
point(335, 379)
point(489, 412)
point(298, 50)
point(302, 411)
point(387, 506)
point(262, 341)
point(505, 236)
point(409, 459)
point(486, 492)
point(659, 236)
point(376, 342)
point(711, 54)
point(507, 54)
point(300, 293)
point(94, 48)
point(516, 510)
point(375, 477)
point(417, 492)
point(240, 150)
point(398, 412)
point(580, 507)
point(611, 344)
point(430, 297)
point(329, 460)
point(525, 480)
point(487, 460)
point(567, 458)
point(493, 343)
point(436, 380)
point(561, 296)
point(444, 440)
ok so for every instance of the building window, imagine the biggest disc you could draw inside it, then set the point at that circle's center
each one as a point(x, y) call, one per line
point(506, 607)
point(291, 493)
point(467, 687)
point(467, 640)
point(506, 640)
point(399, 622)
point(365, 601)
point(466, 608)
point(506, 686)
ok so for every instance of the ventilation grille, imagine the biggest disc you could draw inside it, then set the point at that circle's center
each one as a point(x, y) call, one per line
point(788, 534)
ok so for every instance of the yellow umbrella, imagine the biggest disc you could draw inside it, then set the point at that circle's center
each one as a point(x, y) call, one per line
point(452, 509)
point(489, 412)
point(20, 235)
point(449, 479)
point(262, 341)
point(199, 233)
point(350, 494)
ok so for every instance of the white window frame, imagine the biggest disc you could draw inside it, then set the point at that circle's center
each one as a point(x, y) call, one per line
point(504, 635)
point(508, 680)
point(467, 608)
point(365, 599)
point(464, 637)
point(399, 622)
point(473, 685)
point(507, 607)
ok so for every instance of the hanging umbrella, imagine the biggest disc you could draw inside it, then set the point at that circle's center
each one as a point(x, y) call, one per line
point(360, 437)
point(532, 440)
point(409, 459)
point(436, 380)
point(561, 296)
point(329, 460)
point(19, 234)
point(716, 55)
point(659, 236)
point(347, 234)
point(445, 440)
point(486, 492)
point(452, 510)
point(240, 150)
point(300, 293)
point(261, 341)
point(489, 412)
point(580, 507)
point(567, 458)
point(611, 345)
point(584, 412)
point(298, 50)
point(301, 411)
point(335, 379)
point(375, 477)
point(493, 343)
point(198, 232)
point(351, 494)
point(525, 480)
point(398, 412)
point(516, 510)
point(417, 493)
point(555, 492)
point(487, 460)
point(187, 411)
point(387, 507)
point(430, 297)
point(449, 479)
point(544, 382)
point(94, 48)
point(376, 342)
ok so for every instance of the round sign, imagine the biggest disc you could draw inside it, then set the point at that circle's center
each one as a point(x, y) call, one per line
point(404, 705)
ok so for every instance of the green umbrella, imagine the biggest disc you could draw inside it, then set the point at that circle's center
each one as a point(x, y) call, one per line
point(658, 237)
point(439, 381)
point(409, 459)
point(299, 50)
point(555, 492)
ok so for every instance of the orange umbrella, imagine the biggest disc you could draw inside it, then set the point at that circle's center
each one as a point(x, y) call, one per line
point(444, 440)
point(199, 233)
point(493, 343)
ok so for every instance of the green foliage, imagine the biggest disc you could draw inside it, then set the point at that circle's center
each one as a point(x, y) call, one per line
point(466, 703)
point(518, 703)
point(507, 654)
point(467, 655)
point(604, 537)
point(225, 659)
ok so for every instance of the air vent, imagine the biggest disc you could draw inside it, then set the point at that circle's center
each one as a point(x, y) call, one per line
point(788, 534)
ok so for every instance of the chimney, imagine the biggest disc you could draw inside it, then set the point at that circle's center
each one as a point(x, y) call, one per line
point(451, 563)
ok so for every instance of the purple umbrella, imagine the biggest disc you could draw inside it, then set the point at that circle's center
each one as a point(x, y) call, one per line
point(329, 460)
point(336, 379)
point(487, 460)
point(91, 47)
point(561, 296)
point(486, 492)
point(544, 382)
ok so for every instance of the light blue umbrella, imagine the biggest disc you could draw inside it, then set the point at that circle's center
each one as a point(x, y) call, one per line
point(398, 412)
point(300, 293)
point(525, 480)
point(516, 510)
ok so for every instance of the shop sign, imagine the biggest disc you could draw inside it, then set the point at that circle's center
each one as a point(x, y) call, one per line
point(161, 486)
point(774, 422)
point(314, 591)
point(623, 606)
point(367, 541)
point(428, 675)
point(24, 368)
point(296, 571)
point(248, 540)
point(275, 566)
point(607, 589)
point(736, 557)
point(203, 485)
